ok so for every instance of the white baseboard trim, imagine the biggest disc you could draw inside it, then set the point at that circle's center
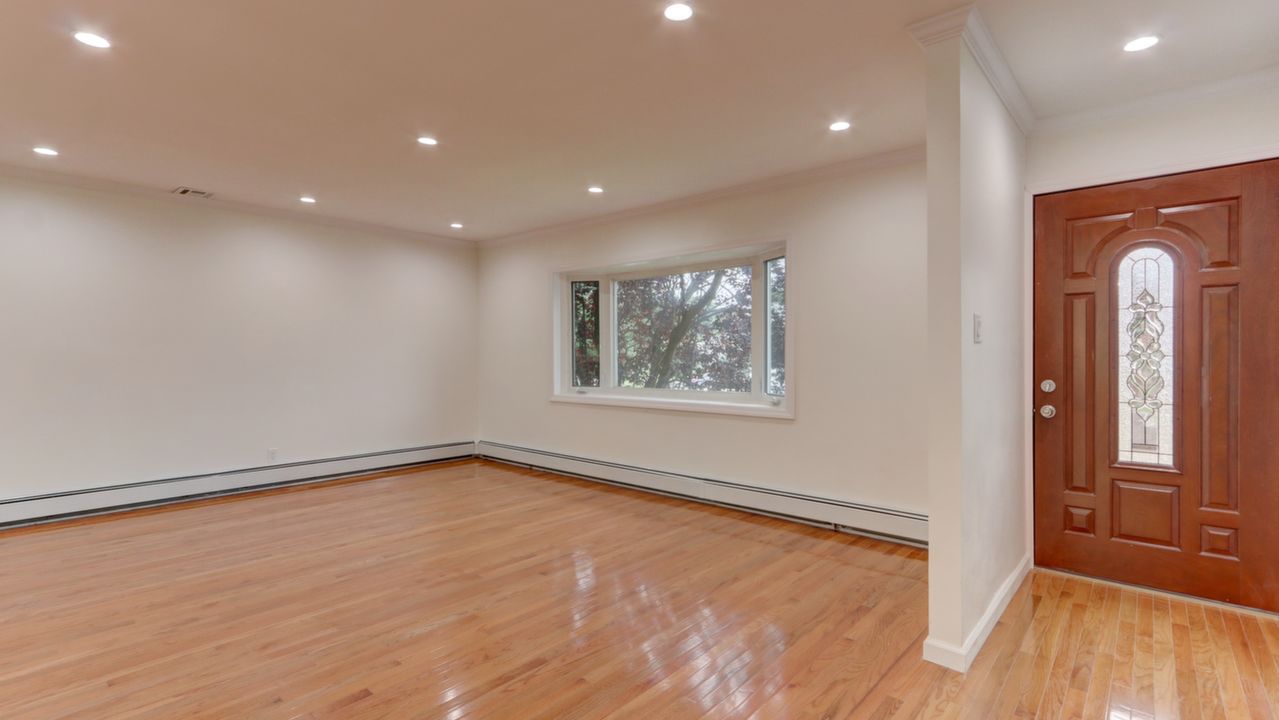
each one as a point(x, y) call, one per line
point(92, 501)
point(889, 523)
point(959, 659)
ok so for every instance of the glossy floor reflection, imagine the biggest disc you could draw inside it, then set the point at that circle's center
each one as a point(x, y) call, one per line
point(477, 590)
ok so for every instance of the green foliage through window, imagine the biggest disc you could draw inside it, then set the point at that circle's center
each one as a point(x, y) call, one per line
point(686, 331)
point(586, 334)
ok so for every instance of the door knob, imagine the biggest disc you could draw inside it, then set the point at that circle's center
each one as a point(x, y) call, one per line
point(1048, 411)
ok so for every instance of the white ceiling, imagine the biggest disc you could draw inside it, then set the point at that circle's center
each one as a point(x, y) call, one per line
point(1067, 55)
point(261, 101)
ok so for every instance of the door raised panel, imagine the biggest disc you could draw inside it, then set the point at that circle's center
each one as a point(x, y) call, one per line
point(1221, 398)
point(1215, 224)
point(1081, 520)
point(1087, 235)
point(1146, 513)
point(1219, 542)
point(1079, 392)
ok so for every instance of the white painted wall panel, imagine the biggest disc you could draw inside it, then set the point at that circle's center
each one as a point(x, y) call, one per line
point(1220, 124)
point(151, 337)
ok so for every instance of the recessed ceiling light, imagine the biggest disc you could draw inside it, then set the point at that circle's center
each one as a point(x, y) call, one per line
point(456, 226)
point(92, 40)
point(840, 126)
point(46, 151)
point(307, 199)
point(1141, 43)
point(427, 140)
point(595, 189)
point(678, 12)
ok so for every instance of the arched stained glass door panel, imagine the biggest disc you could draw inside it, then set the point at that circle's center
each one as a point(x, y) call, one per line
point(1146, 305)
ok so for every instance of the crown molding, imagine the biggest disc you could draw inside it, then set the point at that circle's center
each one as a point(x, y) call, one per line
point(966, 22)
point(901, 156)
point(83, 182)
point(982, 45)
point(938, 28)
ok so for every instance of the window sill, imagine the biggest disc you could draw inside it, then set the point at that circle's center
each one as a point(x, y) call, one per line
point(714, 407)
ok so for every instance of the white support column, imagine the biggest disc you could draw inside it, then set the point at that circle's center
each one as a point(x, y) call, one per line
point(977, 120)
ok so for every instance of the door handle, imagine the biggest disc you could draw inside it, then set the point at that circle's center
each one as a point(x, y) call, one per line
point(1048, 412)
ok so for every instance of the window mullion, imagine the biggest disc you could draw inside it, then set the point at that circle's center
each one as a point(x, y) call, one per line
point(759, 335)
point(608, 335)
point(564, 381)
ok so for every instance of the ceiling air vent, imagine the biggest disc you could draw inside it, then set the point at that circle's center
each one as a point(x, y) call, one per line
point(185, 191)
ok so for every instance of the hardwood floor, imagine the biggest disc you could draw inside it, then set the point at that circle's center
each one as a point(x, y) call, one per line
point(477, 590)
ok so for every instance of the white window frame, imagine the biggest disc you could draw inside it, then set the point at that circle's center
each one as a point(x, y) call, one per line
point(755, 403)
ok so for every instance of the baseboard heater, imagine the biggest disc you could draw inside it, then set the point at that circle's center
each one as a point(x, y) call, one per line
point(859, 518)
point(51, 507)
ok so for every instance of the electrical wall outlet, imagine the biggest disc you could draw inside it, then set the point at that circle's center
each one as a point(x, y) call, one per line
point(272, 454)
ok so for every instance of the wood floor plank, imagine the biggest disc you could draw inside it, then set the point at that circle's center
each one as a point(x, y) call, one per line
point(1059, 673)
point(476, 590)
point(1143, 705)
point(1188, 703)
point(1167, 702)
point(1265, 660)
point(1208, 678)
point(1092, 643)
point(1097, 701)
point(1046, 655)
point(1123, 697)
point(1259, 706)
point(1232, 684)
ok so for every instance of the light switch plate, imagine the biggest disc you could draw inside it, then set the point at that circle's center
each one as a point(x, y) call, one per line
point(977, 330)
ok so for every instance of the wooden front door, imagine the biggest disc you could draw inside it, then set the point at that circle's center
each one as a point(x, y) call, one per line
point(1157, 383)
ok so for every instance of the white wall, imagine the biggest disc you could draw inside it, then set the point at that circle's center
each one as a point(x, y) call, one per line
point(152, 337)
point(992, 182)
point(856, 294)
point(1219, 124)
point(978, 541)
